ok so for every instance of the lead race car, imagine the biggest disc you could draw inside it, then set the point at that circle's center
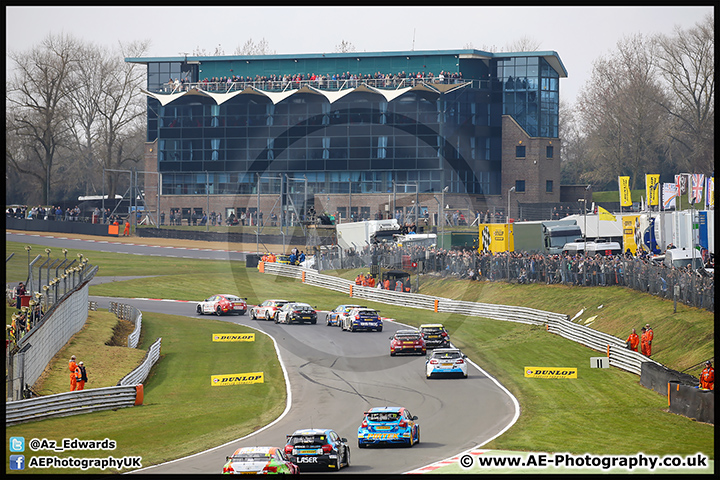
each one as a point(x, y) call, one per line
point(388, 425)
point(221, 304)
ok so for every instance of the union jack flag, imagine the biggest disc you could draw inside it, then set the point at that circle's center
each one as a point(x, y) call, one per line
point(697, 187)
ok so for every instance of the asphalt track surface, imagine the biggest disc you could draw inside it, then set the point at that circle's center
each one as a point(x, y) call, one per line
point(334, 376)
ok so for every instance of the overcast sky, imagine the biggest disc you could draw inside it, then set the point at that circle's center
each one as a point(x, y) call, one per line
point(578, 34)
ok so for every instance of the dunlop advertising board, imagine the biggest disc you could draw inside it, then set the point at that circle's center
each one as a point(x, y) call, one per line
point(233, 337)
point(550, 372)
point(237, 379)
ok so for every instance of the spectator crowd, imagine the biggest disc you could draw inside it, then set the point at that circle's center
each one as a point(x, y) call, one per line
point(638, 272)
point(328, 81)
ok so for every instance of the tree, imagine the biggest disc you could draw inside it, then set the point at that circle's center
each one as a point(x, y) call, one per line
point(344, 47)
point(251, 48)
point(523, 44)
point(686, 61)
point(619, 109)
point(37, 102)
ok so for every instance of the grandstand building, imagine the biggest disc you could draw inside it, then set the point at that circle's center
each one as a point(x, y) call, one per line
point(361, 134)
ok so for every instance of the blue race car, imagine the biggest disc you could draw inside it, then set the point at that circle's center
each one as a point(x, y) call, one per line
point(361, 319)
point(394, 425)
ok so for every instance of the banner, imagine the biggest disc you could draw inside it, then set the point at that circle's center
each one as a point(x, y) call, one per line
point(681, 182)
point(550, 372)
point(628, 226)
point(652, 189)
point(236, 379)
point(624, 184)
point(709, 193)
point(605, 215)
point(695, 193)
point(669, 194)
point(233, 337)
point(496, 237)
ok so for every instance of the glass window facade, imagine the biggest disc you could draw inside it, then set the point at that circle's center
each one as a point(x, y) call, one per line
point(530, 90)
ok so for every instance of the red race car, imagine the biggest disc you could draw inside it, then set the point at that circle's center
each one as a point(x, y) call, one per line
point(407, 341)
point(221, 304)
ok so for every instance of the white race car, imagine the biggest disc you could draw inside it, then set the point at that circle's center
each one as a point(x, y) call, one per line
point(223, 303)
point(266, 310)
point(445, 361)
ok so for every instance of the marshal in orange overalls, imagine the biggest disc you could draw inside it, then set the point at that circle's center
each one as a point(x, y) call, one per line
point(72, 366)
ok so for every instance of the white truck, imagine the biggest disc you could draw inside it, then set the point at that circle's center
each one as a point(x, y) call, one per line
point(593, 248)
point(356, 235)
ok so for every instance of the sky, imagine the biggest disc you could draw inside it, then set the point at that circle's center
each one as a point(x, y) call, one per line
point(579, 35)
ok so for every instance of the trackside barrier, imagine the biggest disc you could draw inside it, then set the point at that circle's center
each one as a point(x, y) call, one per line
point(71, 403)
point(556, 323)
point(132, 314)
point(141, 372)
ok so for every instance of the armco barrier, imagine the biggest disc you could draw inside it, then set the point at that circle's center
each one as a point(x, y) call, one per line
point(72, 403)
point(131, 314)
point(141, 372)
point(556, 323)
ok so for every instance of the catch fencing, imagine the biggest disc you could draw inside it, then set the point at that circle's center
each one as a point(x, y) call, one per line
point(619, 355)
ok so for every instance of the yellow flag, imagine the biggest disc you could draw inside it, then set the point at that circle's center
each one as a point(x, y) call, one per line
point(624, 183)
point(605, 215)
point(652, 189)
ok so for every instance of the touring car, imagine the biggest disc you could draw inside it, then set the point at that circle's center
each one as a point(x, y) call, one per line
point(407, 341)
point(335, 315)
point(296, 312)
point(446, 361)
point(259, 460)
point(362, 319)
point(318, 447)
point(223, 303)
point(266, 310)
point(388, 425)
point(435, 335)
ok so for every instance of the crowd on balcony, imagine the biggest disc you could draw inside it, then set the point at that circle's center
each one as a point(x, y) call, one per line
point(328, 81)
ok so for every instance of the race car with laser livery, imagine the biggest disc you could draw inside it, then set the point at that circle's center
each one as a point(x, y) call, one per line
point(362, 319)
point(259, 461)
point(388, 425)
point(435, 335)
point(266, 310)
point(221, 304)
point(446, 361)
point(296, 312)
point(407, 341)
point(335, 316)
point(317, 447)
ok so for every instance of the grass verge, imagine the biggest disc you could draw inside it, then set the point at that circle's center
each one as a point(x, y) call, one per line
point(182, 413)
